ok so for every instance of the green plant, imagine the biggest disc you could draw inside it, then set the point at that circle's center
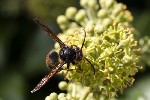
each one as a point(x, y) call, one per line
point(110, 46)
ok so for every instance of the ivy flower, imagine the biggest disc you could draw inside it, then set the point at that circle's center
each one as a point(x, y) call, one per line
point(109, 45)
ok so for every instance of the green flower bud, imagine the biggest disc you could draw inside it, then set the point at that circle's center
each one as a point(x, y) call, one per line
point(71, 12)
point(107, 22)
point(70, 87)
point(68, 96)
point(102, 3)
point(89, 27)
point(52, 96)
point(102, 13)
point(98, 29)
point(117, 9)
point(109, 3)
point(48, 98)
point(80, 15)
point(63, 85)
point(63, 98)
point(84, 3)
point(63, 27)
point(61, 95)
point(61, 20)
point(127, 16)
point(85, 94)
point(92, 3)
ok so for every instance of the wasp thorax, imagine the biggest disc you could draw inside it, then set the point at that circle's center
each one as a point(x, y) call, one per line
point(67, 54)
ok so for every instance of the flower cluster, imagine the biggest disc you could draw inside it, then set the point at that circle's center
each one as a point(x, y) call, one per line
point(144, 43)
point(92, 18)
point(109, 46)
point(75, 91)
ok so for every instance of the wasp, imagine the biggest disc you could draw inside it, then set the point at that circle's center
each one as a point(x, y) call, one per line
point(67, 55)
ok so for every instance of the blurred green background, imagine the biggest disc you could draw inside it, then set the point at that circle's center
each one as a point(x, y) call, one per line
point(23, 47)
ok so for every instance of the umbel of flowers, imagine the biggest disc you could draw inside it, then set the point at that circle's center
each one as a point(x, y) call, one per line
point(109, 46)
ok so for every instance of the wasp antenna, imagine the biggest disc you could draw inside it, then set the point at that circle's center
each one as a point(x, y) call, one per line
point(49, 32)
point(46, 78)
point(83, 39)
point(90, 64)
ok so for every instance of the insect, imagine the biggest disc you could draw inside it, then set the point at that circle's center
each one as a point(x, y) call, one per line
point(55, 61)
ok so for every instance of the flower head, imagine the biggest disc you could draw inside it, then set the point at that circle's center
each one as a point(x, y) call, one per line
point(109, 46)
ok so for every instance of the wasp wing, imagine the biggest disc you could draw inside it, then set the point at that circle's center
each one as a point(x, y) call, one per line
point(49, 32)
point(46, 78)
